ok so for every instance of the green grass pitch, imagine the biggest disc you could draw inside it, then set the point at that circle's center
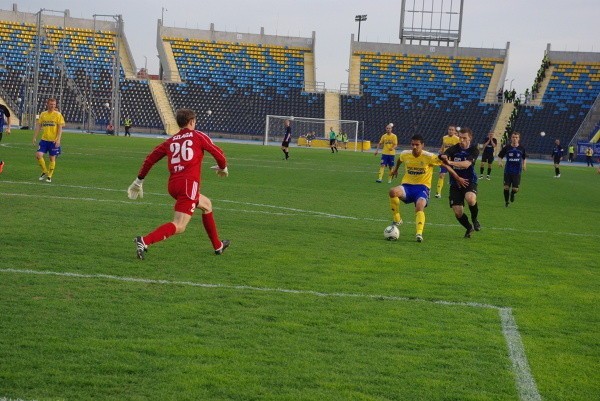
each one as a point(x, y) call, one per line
point(309, 302)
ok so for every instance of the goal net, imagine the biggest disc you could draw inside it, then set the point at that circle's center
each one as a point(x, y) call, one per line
point(306, 130)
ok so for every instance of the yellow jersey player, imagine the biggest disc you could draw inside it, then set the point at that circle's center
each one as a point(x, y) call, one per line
point(389, 141)
point(50, 122)
point(416, 182)
point(448, 140)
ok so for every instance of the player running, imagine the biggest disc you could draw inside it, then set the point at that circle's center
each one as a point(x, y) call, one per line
point(184, 152)
point(515, 163)
point(50, 123)
point(462, 158)
point(389, 141)
point(416, 182)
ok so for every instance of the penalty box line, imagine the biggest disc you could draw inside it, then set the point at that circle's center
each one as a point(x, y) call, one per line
point(525, 382)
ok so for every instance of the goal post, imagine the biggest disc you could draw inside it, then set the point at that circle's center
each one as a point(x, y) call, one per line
point(315, 128)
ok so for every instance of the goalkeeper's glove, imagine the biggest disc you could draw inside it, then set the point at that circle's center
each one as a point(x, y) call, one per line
point(221, 172)
point(136, 189)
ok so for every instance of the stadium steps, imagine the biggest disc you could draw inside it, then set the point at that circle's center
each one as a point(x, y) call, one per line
point(170, 70)
point(503, 118)
point(354, 76)
point(126, 60)
point(309, 70)
point(543, 86)
point(491, 95)
point(163, 106)
point(332, 110)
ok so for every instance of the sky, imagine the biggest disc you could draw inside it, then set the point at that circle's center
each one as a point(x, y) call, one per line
point(529, 25)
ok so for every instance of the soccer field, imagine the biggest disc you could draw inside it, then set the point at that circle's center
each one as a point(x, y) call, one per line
point(309, 302)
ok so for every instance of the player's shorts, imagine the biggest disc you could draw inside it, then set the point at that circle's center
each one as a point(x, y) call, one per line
point(557, 159)
point(487, 158)
point(331, 142)
point(413, 192)
point(186, 194)
point(285, 144)
point(49, 147)
point(512, 180)
point(457, 195)
point(388, 160)
point(443, 170)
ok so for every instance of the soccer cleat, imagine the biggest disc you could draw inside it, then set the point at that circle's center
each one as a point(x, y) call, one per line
point(469, 231)
point(481, 177)
point(389, 181)
point(487, 177)
point(48, 179)
point(1, 166)
point(140, 247)
point(397, 224)
point(419, 238)
point(378, 181)
point(476, 225)
point(558, 176)
point(225, 245)
point(42, 177)
point(506, 204)
point(438, 195)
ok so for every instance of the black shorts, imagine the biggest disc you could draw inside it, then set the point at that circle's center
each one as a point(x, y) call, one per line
point(457, 195)
point(487, 158)
point(331, 142)
point(285, 144)
point(512, 180)
point(557, 159)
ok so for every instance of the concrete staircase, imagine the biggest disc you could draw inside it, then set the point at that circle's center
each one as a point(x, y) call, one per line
point(126, 61)
point(164, 107)
point(543, 86)
point(332, 111)
point(170, 70)
point(309, 71)
point(354, 76)
point(491, 95)
point(505, 112)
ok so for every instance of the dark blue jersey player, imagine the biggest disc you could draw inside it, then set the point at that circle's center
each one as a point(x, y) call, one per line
point(515, 163)
point(287, 137)
point(462, 157)
point(557, 154)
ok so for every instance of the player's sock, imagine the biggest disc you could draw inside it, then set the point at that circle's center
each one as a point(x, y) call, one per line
point(474, 211)
point(51, 167)
point(440, 185)
point(160, 234)
point(1, 133)
point(42, 164)
point(506, 195)
point(464, 221)
point(556, 171)
point(512, 195)
point(420, 220)
point(481, 170)
point(211, 229)
point(489, 171)
point(287, 154)
point(395, 204)
point(380, 175)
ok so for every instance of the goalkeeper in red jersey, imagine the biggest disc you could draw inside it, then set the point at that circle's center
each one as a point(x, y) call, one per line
point(184, 152)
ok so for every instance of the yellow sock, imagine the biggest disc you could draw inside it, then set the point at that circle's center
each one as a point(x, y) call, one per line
point(381, 170)
point(42, 164)
point(420, 219)
point(395, 204)
point(440, 185)
point(51, 169)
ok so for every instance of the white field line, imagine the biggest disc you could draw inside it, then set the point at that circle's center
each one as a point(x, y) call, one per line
point(525, 382)
point(303, 212)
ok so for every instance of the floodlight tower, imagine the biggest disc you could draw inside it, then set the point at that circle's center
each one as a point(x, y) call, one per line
point(439, 24)
point(359, 19)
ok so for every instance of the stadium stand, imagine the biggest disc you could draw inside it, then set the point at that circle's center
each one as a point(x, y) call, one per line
point(76, 66)
point(573, 89)
point(240, 78)
point(422, 89)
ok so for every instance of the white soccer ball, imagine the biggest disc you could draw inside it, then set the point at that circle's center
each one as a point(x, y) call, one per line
point(391, 233)
point(542, 133)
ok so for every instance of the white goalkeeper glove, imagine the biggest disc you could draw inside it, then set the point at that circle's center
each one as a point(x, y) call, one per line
point(221, 172)
point(136, 189)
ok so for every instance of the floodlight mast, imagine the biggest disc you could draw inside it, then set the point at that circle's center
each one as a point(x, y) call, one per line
point(359, 19)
